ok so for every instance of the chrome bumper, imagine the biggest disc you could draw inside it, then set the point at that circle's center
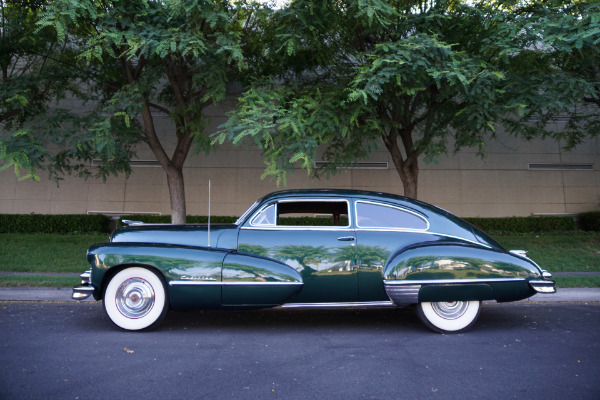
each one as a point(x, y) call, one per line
point(546, 285)
point(84, 290)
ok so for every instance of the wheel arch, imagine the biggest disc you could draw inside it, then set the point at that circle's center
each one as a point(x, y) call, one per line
point(115, 269)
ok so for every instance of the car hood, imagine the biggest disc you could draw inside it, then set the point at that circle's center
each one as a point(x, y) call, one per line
point(221, 236)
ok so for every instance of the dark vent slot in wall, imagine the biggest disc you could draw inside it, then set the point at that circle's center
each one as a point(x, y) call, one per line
point(561, 167)
point(134, 163)
point(358, 165)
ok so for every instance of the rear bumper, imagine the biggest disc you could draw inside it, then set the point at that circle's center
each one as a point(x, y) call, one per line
point(543, 286)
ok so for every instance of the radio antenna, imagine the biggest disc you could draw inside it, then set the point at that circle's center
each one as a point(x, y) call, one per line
point(209, 213)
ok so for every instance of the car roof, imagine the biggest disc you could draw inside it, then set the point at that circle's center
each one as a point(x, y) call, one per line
point(291, 193)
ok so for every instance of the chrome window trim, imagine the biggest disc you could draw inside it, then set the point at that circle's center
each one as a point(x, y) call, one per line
point(390, 206)
point(260, 211)
point(302, 227)
point(393, 282)
point(250, 209)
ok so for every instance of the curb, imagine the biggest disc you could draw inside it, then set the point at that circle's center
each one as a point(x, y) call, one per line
point(64, 295)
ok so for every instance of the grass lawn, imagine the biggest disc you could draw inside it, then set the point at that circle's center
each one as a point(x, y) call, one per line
point(45, 253)
point(563, 253)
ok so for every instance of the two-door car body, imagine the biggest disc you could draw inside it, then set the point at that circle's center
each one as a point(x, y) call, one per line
point(311, 248)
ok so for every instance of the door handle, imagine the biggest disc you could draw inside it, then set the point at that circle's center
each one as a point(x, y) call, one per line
point(346, 238)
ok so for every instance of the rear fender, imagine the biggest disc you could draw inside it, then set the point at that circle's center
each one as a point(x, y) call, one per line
point(457, 271)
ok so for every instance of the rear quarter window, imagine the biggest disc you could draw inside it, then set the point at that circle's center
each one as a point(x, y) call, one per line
point(375, 215)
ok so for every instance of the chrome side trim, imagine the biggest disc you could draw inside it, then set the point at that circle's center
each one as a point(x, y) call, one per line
point(195, 283)
point(355, 304)
point(403, 295)
point(393, 282)
point(230, 283)
point(296, 228)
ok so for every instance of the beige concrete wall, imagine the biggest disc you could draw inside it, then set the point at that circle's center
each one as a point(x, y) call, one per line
point(499, 185)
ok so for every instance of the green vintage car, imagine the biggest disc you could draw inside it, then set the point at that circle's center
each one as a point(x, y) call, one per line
point(311, 248)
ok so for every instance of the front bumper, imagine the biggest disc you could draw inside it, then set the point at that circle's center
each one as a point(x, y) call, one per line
point(85, 289)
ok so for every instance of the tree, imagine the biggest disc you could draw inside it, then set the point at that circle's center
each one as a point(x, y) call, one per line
point(36, 73)
point(567, 83)
point(142, 58)
point(421, 77)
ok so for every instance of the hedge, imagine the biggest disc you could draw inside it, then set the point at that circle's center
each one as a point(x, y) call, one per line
point(86, 224)
point(166, 219)
point(589, 221)
point(55, 223)
point(524, 224)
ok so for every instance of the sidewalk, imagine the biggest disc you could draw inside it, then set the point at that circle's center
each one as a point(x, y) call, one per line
point(64, 294)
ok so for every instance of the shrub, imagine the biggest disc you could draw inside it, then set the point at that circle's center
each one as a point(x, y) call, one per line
point(56, 223)
point(589, 221)
point(166, 219)
point(524, 224)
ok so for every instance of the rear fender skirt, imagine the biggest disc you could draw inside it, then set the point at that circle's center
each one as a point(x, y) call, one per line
point(404, 293)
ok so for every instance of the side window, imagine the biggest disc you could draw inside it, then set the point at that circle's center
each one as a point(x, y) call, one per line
point(307, 213)
point(313, 213)
point(266, 217)
point(370, 215)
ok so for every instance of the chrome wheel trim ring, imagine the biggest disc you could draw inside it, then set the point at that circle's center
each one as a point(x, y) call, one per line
point(135, 298)
point(450, 309)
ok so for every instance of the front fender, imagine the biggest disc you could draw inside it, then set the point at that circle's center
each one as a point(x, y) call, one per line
point(199, 277)
point(458, 271)
point(175, 263)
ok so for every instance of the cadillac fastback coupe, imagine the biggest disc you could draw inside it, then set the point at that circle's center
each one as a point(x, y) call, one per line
point(311, 248)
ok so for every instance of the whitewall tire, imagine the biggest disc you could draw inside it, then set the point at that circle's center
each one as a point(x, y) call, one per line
point(136, 299)
point(449, 316)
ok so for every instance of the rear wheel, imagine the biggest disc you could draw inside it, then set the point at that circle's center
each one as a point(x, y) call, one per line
point(135, 299)
point(449, 316)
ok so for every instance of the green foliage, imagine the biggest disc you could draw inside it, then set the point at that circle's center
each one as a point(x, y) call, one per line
point(589, 221)
point(514, 225)
point(566, 86)
point(422, 78)
point(337, 79)
point(56, 223)
point(134, 59)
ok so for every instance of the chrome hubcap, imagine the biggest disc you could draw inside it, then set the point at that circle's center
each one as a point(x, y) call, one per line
point(135, 298)
point(450, 309)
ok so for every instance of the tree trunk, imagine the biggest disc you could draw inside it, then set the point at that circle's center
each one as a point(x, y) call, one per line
point(173, 168)
point(177, 194)
point(408, 168)
point(409, 174)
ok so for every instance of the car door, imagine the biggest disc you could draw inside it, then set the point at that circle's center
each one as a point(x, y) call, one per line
point(313, 236)
point(382, 230)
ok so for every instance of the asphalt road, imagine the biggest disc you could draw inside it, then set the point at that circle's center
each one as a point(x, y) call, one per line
point(517, 350)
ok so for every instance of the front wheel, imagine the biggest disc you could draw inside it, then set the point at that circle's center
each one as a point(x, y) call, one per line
point(449, 316)
point(135, 299)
